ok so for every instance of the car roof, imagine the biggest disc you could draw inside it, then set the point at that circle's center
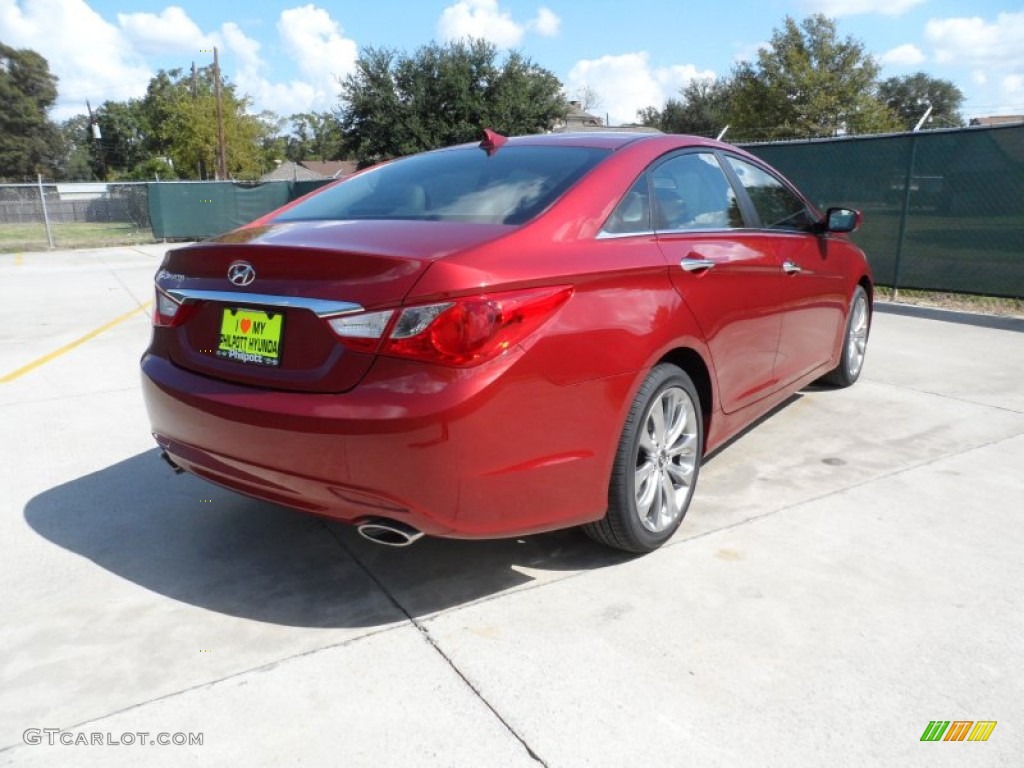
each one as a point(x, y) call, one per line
point(607, 140)
point(603, 140)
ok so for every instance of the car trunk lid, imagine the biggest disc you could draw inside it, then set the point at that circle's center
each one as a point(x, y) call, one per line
point(269, 327)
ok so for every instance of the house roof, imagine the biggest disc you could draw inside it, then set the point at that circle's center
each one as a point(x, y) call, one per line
point(290, 171)
point(998, 120)
point(333, 169)
point(310, 170)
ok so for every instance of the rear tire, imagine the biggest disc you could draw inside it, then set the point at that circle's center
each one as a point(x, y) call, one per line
point(656, 464)
point(855, 342)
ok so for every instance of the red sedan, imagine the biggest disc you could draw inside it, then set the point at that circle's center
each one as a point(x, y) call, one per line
point(505, 338)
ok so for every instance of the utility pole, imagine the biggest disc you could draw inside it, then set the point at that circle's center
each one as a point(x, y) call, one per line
point(222, 161)
point(97, 136)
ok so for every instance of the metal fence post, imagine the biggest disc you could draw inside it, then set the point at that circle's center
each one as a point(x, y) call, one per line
point(46, 216)
point(904, 215)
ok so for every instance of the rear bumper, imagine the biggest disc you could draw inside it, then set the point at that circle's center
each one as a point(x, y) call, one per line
point(493, 451)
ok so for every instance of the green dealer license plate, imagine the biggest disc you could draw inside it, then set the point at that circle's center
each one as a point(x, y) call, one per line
point(251, 336)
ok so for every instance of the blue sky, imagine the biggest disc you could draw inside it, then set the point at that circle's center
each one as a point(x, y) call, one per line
point(633, 53)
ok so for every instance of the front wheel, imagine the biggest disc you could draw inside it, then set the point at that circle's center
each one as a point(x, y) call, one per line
point(855, 342)
point(656, 465)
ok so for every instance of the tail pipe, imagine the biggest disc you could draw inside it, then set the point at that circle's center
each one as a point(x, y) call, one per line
point(177, 470)
point(390, 533)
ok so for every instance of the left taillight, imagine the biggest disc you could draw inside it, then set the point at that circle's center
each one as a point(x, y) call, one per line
point(462, 332)
point(167, 311)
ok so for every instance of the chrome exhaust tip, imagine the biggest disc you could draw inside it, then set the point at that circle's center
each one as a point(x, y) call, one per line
point(177, 470)
point(390, 533)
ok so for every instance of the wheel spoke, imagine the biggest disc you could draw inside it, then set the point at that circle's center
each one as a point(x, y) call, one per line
point(685, 448)
point(657, 422)
point(680, 474)
point(670, 504)
point(646, 441)
point(646, 493)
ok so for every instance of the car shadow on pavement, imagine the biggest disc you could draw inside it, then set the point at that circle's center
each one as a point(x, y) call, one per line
point(194, 542)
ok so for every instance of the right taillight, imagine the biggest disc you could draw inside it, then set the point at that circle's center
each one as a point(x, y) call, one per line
point(462, 332)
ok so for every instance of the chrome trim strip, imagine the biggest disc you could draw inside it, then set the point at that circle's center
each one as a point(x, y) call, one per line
point(319, 307)
point(602, 235)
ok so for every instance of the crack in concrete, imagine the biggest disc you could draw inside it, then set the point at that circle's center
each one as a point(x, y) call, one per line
point(429, 639)
point(210, 683)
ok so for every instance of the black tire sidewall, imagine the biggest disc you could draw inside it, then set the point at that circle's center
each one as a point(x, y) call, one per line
point(622, 495)
point(848, 376)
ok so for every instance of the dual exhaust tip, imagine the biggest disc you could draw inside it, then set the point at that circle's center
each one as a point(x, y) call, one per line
point(390, 533)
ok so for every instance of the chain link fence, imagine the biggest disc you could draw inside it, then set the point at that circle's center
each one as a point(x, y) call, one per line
point(943, 210)
point(58, 215)
point(92, 215)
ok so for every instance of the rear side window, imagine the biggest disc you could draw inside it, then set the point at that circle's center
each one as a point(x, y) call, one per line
point(776, 205)
point(510, 186)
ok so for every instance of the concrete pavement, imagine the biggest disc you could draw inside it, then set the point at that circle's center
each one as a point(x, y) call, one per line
point(849, 571)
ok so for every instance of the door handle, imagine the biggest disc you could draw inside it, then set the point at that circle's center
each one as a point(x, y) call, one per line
point(693, 265)
point(790, 268)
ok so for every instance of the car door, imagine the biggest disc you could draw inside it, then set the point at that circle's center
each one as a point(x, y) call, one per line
point(727, 275)
point(812, 273)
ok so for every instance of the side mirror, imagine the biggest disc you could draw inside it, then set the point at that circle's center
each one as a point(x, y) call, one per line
point(841, 220)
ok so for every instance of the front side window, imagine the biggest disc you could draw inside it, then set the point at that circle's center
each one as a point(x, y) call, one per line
point(509, 186)
point(691, 191)
point(776, 204)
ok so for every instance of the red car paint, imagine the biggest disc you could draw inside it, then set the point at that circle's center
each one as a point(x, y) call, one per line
point(524, 441)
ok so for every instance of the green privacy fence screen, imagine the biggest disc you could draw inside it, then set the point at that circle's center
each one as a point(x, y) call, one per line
point(943, 210)
point(193, 210)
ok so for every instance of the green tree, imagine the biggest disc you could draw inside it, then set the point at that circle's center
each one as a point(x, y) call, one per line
point(806, 83)
point(315, 136)
point(910, 96)
point(124, 139)
point(75, 159)
point(395, 104)
point(179, 114)
point(29, 142)
point(702, 109)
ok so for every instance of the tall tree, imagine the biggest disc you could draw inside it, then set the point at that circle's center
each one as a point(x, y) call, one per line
point(315, 136)
point(29, 142)
point(395, 104)
point(910, 96)
point(808, 82)
point(124, 139)
point(180, 115)
point(702, 109)
point(75, 162)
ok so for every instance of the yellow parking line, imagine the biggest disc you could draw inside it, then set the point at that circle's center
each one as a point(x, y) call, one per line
point(72, 344)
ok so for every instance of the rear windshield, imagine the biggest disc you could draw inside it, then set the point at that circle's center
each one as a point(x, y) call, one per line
point(510, 186)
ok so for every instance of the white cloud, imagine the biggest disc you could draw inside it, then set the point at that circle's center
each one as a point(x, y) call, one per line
point(91, 56)
point(282, 98)
point(317, 44)
point(480, 18)
point(169, 32)
point(991, 52)
point(627, 83)
point(1013, 87)
point(546, 23)
point(837, 8)
point(974, 41)
point(907, 55)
